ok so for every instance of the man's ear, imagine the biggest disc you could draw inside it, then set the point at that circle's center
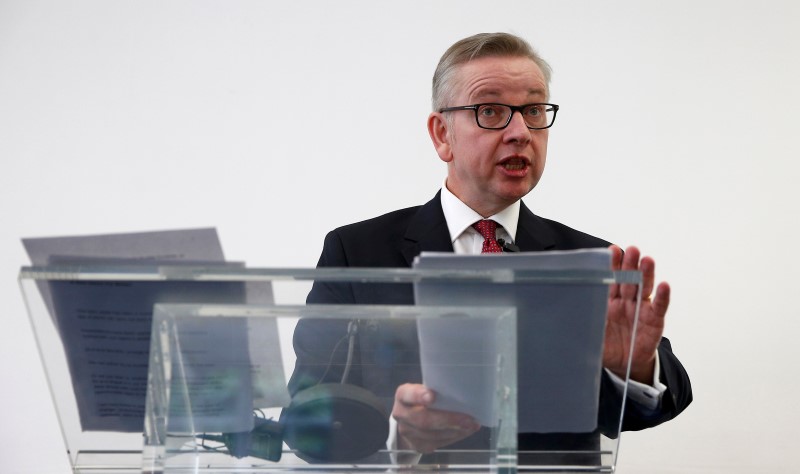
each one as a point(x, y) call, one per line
point(442, 140)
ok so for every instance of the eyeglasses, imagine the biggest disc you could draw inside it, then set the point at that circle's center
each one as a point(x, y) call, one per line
point(498, 116)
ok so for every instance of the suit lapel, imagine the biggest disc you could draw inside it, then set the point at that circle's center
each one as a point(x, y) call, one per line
point(532, 233)
point(427, 231)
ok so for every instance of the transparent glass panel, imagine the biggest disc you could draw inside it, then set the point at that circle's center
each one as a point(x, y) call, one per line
point(211, 365)
point(115, 374)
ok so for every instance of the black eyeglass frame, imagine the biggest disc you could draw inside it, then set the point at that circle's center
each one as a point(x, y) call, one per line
point(514, 108)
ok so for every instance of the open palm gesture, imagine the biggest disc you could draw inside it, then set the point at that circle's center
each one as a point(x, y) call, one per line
point(621, 314)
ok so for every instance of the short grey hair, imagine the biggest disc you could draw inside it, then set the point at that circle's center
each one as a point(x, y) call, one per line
point(477, 46)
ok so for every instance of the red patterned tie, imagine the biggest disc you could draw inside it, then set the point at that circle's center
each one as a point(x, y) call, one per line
point(487, 229)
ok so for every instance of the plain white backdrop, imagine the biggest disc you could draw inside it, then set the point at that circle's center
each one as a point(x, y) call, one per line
point(277, 121)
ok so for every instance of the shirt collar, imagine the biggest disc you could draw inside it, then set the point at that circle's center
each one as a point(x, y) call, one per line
point(460, 217)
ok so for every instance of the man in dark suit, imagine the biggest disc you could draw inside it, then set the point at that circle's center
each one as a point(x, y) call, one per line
point(490, 126)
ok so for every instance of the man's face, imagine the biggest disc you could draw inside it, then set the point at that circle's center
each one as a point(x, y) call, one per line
point(490, 169)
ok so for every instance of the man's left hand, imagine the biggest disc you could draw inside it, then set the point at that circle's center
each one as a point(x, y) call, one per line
point(621, 314)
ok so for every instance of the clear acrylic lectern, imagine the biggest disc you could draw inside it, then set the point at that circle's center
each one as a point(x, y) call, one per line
point(218, 369)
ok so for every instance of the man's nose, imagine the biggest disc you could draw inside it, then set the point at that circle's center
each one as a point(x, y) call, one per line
point(517, 130)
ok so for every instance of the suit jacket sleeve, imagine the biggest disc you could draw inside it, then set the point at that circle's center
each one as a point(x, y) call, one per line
point(676, 398)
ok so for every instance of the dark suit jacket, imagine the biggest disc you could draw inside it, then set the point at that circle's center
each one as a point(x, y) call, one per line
point(393, 240)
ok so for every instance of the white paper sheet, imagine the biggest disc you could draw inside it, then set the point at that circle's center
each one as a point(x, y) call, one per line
point(459, 363)
point(560, 332)
point(105, 326)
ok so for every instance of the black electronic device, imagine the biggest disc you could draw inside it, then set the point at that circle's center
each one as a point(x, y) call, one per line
point(507, 246)
point(335, 422)
point(325, 423)
point(264, 441)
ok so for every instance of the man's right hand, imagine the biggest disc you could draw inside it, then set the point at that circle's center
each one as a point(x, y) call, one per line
point(426, 429)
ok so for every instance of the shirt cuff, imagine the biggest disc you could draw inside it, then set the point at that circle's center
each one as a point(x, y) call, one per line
point(397, 456)
point(647, 396)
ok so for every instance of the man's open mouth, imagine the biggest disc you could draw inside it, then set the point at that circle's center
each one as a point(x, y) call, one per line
point(515, 164)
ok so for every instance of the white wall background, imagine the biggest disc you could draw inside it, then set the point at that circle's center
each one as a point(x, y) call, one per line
point(277, 121)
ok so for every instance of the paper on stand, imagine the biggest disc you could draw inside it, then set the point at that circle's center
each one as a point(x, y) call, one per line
point(560, 332)
point(105, 325)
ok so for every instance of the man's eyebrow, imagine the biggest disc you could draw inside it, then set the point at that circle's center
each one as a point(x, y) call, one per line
point(487, 93)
